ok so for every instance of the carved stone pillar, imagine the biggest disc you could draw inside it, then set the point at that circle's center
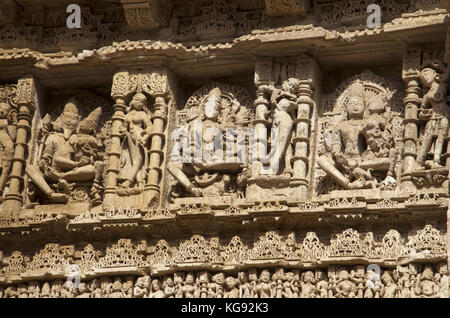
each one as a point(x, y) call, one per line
point(26, 95)
point(119, 92)
point(263, 76)
point(306, 72)
point(411, 64)
point(159, 91)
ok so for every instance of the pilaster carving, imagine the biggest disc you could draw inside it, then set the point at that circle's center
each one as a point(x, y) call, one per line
point(25, 101)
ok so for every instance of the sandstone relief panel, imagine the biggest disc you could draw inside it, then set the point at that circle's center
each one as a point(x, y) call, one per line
point(360, 139)
point(216, 114)
point(225, 149)
point(68, 166)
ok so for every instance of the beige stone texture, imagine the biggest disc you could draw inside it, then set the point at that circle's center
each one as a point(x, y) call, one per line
point(224, 149)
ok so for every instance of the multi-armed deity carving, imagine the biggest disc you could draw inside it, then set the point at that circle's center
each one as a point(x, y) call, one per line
point(360, 141)
point(214, 116)
point(70, 157)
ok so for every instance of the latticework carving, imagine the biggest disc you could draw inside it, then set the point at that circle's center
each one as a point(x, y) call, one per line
point(428, 240)
point(53, 259)
point(197, 250)
point(236, 251)
point(269, 246)
point(122, 254)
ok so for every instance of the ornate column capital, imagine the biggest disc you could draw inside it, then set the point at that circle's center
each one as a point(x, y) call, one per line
point(263, 72)
point(411, 63)
point(120, 86)
point(147, 14)
point(26, 92)
point(307, 71)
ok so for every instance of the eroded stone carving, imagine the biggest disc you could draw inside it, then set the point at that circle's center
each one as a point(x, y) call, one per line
point(343, 282)
point(360, 144)
point(70, 159)
point(209, 117)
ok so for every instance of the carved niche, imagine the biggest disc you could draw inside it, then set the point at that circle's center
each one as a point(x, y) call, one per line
point(215, 114)
point(142, 103)
point(360, 136)
point(68, 163)
point(285, 108)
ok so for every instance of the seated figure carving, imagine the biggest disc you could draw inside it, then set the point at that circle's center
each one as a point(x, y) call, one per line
point(71, 154)
point(360, 145)
point(209, 168)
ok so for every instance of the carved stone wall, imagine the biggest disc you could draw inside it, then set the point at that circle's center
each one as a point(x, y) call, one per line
point(224, 149)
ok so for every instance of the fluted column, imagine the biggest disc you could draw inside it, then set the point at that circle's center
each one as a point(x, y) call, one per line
point(306, 73)
point(26, 95)
point(156, 150)
point(411, 63)
point(119, 93)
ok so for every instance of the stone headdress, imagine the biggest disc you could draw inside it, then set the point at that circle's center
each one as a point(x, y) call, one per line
point(92, 120)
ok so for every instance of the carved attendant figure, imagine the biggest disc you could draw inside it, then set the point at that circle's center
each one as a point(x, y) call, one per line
point(265, 288)
point(437, 125)
point(425, 286)
point(350, 164)
point(284, 103)
point(136, 133)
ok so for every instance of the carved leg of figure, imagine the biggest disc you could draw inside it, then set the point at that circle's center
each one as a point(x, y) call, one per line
point(283, 122)
point(64, 164)
point(442, 133)
point(99, 165)
point(328, 166)
point(85, 173)
point(380, 164)
point(36, 176)
point(288, 157)
point(426, 144)
point(176, 170)
point(137, 159)
point(96, 187)
point(8, 154)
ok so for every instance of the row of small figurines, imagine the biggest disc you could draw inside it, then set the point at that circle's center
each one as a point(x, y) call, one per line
point(360, 281)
